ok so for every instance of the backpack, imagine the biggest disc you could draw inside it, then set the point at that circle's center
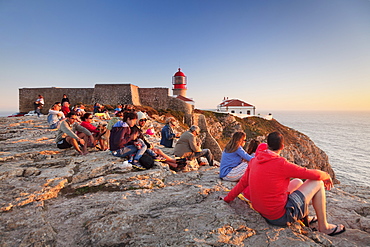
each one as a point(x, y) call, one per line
point(147, 161)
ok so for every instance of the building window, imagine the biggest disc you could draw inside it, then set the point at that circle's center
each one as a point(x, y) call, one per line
point(232, 111)
point(249, 112)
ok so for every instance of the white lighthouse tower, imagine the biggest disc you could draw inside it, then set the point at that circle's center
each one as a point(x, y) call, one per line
point(179, 84)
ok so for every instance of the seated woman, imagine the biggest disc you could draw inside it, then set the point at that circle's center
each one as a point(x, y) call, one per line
point(121, 137)
point(55, 116)
point(167, 134)
point(233, 166)
point(252, 147)
point(86, 122)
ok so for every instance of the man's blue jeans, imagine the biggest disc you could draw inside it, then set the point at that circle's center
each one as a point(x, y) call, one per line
point(129, 150)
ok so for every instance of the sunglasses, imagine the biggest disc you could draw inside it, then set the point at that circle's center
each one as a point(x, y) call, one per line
point(142, 120)
point(90, 118)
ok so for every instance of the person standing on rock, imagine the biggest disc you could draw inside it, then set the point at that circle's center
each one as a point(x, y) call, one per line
point(65, 99)
point(189, 146)
point(67, 137)
point(279, 199)
point(234, 158)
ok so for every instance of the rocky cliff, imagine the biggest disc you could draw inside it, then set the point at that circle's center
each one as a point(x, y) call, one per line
point(299, 148)
point(52, 197)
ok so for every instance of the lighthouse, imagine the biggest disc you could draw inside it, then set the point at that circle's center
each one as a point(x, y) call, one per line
point(179, 84)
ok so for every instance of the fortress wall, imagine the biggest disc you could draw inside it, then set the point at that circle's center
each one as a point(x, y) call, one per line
point(179, 105)
point(113, 94)
point(155, 97)
point(136, 100)
point(27, 97)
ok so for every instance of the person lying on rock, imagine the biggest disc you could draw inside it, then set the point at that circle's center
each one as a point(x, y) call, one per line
point(234, 159)
point(67, 137)
point(278, 199)
point(189, 146)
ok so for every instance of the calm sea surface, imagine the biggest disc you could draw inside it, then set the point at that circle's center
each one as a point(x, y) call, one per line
point(343, 136)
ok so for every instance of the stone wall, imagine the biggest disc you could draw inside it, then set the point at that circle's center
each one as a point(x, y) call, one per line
point(113, 94)
point(27, 96)
point(106, 94)
point(179, 105)
point(154, 97)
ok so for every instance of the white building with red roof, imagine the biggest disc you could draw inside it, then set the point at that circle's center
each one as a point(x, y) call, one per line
point(236, 107)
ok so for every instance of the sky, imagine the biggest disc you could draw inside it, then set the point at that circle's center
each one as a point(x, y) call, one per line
point(275, 55)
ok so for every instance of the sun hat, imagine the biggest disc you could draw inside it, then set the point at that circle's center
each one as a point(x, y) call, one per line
point(141, 115)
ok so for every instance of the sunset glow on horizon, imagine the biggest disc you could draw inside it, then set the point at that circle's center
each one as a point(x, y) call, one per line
point(275, 55)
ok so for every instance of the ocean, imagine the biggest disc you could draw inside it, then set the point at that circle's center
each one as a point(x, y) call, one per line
point(343, 136)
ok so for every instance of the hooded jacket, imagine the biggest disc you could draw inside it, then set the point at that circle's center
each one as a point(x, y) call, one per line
point(167, 136)
point(120, 136)
point(266, 181)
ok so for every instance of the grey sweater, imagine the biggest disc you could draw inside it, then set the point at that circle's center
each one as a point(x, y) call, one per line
point(65, 129)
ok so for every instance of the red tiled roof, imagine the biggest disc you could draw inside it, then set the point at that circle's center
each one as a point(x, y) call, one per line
point(234, 102)
point(183, 98)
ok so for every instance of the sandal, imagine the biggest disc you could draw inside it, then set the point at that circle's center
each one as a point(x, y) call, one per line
point(334, 232)
point(313, 220)
point(308, 223)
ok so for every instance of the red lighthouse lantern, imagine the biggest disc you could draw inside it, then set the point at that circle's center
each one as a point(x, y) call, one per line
point(179, 83)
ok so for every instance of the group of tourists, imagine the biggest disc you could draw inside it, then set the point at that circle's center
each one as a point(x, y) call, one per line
point(271, 183)
point(188, 145)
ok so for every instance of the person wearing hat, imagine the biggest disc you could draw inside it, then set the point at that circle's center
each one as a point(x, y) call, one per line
point(167, 134)
point(141, 121)
point(189, 147)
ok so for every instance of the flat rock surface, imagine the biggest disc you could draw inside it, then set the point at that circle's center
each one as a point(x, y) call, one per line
point(52, 197)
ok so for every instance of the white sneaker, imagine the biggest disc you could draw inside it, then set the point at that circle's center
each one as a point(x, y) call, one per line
point(125, 165)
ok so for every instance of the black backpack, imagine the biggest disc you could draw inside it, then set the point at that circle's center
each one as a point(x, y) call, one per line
point(147, 161)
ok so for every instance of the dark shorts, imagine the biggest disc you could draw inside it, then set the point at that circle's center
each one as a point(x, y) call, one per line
point(295, 209)
point(63, 144)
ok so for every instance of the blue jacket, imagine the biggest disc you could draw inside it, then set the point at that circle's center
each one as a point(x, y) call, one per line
point(167, 136)
point(231, 160)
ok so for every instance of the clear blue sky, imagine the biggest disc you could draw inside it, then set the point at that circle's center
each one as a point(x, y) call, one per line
point(276, 55)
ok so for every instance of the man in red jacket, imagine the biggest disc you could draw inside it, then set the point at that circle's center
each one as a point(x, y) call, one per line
point(279, 199)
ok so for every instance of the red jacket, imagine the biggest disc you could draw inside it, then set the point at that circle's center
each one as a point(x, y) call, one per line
point(89, 126)
point(65, 110)
point(266, 180)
